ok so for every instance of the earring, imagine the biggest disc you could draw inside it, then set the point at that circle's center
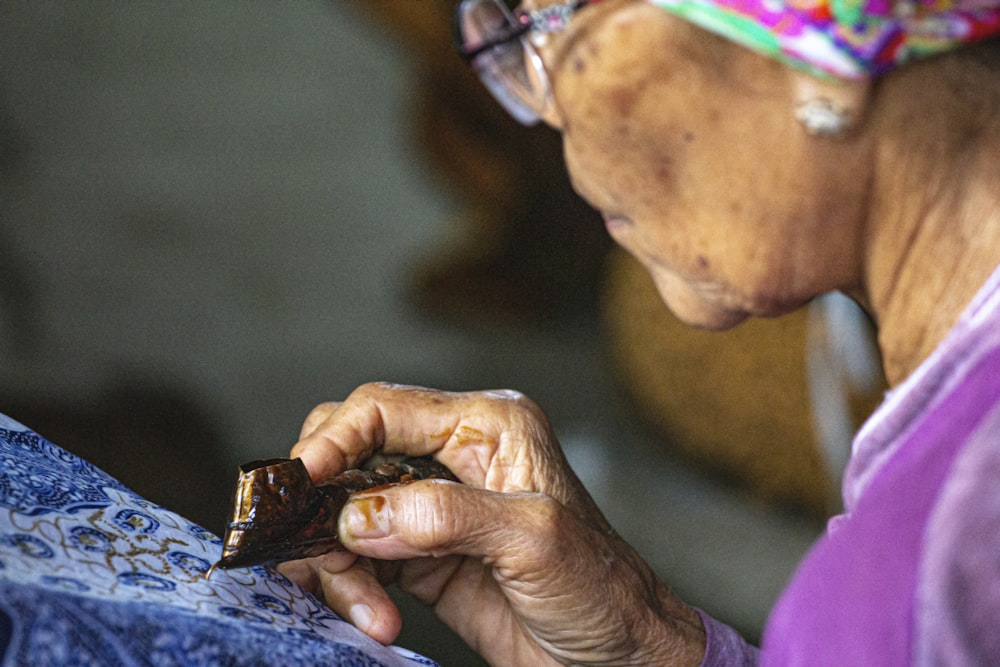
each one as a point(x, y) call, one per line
point(822, 116)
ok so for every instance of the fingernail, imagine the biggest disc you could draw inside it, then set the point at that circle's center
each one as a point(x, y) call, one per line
point(367, 517)
point(361, 616)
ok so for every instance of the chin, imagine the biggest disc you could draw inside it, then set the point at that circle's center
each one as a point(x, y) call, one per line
point(703, 316)
point(699, 313)
point(716, 322)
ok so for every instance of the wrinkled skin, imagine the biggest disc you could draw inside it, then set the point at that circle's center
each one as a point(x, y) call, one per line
point(517, 560)
point(689, 147)
point(700, 171)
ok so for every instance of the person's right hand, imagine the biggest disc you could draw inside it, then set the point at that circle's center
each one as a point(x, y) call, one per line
point(518, 560)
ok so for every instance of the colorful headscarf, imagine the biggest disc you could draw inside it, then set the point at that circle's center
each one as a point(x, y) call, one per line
point(844, 38)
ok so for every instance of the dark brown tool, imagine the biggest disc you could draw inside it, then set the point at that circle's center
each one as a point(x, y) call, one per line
point(278, 514)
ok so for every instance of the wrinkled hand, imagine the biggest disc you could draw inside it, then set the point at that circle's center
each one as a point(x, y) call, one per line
point(518, 560)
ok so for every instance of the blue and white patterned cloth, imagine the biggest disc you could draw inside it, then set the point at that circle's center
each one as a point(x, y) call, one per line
point(93, 574)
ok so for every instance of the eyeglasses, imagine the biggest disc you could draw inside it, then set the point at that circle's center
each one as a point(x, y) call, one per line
point(497, 43)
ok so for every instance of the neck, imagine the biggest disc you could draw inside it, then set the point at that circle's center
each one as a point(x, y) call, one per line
point(934, 224)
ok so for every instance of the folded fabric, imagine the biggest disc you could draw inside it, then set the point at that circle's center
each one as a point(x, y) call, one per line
point(93, 574)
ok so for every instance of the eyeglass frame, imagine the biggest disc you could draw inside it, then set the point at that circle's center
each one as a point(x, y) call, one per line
point(546, 20)
point(549, 19)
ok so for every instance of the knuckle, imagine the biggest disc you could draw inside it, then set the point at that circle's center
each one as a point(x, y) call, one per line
point(382, 388)
point(549, 512)
point(548, 517)
point(436, 518)
point(511, 397)
point(531, 410)
point(518, 405)
point(368, 391)
point(319, 413)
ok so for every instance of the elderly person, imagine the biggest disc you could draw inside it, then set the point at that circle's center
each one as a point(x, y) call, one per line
point(853, 147)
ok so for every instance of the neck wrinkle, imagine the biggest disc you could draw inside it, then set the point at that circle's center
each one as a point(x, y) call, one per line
point(934, 226)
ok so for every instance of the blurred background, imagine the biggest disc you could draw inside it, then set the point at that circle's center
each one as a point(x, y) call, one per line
point(215, 215)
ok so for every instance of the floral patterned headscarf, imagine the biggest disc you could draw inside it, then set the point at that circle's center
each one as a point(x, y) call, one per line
point(844, 38)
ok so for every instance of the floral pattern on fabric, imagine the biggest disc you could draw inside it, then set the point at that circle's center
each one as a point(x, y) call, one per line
point(844, 38)
point(91, 573)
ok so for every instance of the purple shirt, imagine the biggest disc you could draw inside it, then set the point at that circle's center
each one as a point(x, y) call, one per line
point(909, 574)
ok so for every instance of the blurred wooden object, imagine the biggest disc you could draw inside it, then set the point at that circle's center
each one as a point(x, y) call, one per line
point(737, 403)
point(526, 248)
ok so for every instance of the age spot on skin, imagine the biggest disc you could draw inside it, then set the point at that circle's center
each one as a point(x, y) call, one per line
point(663, 168)
point(702, 262)
point(624, 100)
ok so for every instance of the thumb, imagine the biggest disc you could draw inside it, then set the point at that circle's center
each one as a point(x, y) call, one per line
point(574, 590)
point(438, 518)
